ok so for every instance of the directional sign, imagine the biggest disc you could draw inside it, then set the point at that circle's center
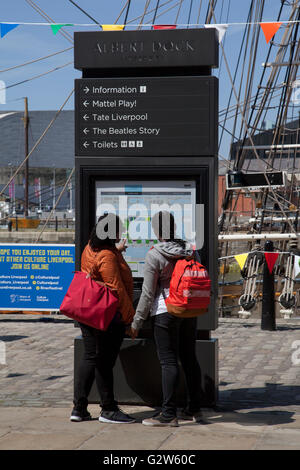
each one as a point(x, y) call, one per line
point(146, 116)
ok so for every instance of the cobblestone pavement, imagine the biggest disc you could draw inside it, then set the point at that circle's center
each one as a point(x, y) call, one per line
point(256, 368)
point(259, 392)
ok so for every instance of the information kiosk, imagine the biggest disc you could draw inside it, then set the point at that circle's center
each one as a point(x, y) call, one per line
point(146, 117)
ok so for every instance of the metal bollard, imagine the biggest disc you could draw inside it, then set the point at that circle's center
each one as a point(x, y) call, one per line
point(268, 320)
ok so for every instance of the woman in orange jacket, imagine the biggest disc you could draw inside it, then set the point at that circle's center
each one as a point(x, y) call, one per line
point(105, 263)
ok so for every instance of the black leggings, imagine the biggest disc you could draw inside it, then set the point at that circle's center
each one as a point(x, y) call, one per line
point(175, 338)
point(101, 349)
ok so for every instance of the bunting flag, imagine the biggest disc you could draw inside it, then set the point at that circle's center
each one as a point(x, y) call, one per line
point(271, 259)
point(113, 27)
point(241, 259)
point(56, 27)
point(6, 28)
point(164, 26)
point(269, 29)
point(221, 28)
point(296, 266)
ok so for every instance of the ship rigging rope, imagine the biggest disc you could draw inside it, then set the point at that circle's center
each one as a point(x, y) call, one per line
point(252, 62)
point(268, 90)
point(235, 109)
point(156, 10)
point(64, 33)
point(223, 207)
point(239, 163)
point(127, 12)
point(286, 93)
point(247, 48)
point(37, 142)
point(169, 9)
point(37, 76)
point(151, 11)
point(178, 12)
point(199, 12)
point(85, 13)
point(147, 3)
point(190, 11)
point(250, 136)
point(34, 147)
point(36, 60)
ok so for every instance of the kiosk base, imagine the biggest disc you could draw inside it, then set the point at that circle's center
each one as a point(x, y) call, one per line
point(137, 373)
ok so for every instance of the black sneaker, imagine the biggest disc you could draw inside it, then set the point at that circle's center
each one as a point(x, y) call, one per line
point(116, 417)
point(160, 420)
point(78, 416)
point(195, 416)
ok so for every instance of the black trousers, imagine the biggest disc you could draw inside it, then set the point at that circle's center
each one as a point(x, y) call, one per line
point(101, 349)
point(175, 340)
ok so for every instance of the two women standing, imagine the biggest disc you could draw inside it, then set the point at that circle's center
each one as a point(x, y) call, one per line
point(174, 337)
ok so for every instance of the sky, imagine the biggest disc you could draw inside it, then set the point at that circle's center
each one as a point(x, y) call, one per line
point(27, 43)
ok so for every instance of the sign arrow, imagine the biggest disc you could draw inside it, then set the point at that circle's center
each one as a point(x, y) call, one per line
point(86, 144)
point(86, 131)
point(86, 117)
point(86, 103)
point(86, 89)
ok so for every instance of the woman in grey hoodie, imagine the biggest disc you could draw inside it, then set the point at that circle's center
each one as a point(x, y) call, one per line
point(174, 337)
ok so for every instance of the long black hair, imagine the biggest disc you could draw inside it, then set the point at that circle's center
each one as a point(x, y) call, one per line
point(163, 224)
point(105, 232)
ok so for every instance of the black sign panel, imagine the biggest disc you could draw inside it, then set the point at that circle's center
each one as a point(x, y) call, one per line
point(141, 49)
point(146, 116)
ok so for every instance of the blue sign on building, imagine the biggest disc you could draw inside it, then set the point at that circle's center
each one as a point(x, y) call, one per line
point(35, 277)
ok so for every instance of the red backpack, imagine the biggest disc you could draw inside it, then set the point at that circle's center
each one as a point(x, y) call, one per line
point(189, 294)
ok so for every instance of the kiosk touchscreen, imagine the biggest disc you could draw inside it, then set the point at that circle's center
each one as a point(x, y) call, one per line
point(137, 202)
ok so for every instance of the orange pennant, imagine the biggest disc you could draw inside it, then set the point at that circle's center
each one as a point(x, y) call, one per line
point(271, 259)
point(269, 29)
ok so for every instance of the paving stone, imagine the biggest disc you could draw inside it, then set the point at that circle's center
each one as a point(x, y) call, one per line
point(208, 440)
point(37, 441)
point(134, 437)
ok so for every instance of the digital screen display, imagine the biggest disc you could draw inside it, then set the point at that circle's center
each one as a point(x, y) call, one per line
point(136, 202)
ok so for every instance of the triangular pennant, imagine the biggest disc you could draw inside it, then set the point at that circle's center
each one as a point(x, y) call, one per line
point(241, 259)
point(164, 26)
point(56, 27)
point(296, 266)
point(113, 27)
point(6, 28)
point(271, 259)
point(269, 29)
point(221, 28)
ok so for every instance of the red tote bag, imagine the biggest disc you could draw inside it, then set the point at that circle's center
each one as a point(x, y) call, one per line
point(88, 302)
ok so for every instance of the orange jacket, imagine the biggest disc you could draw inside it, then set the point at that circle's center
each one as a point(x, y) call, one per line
point(109, 266)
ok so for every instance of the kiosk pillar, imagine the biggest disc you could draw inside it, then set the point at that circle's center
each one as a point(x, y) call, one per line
point(146, 116)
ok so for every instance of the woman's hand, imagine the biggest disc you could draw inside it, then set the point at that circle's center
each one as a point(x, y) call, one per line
point(121, 246)
point(132, 332)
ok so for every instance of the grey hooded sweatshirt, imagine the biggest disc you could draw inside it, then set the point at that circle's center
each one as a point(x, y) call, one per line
point(159, 264)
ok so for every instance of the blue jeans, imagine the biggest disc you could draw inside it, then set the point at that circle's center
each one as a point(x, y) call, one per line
point(175, 339)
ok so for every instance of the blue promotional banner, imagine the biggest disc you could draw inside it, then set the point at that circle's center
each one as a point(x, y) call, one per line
point(35, 277)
